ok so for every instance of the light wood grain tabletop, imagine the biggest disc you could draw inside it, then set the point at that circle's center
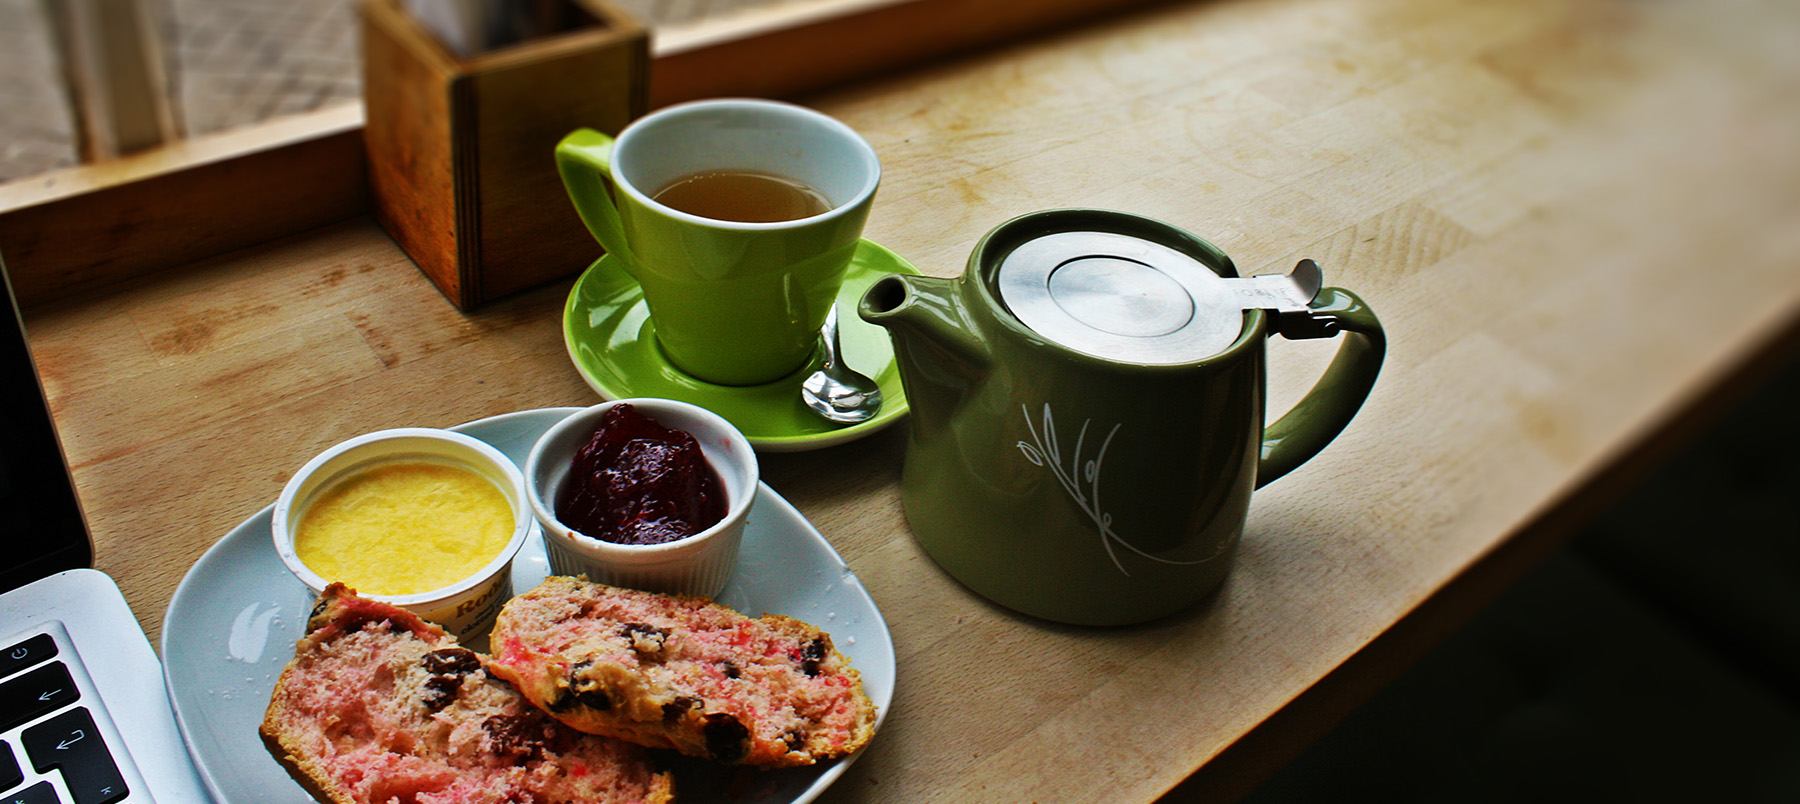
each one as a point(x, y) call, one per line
point(1579, 222)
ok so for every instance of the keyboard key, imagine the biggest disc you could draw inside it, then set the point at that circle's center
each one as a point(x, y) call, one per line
point(9, 769)
point(35, 694)
point(70, 743)
point(40, 793)
point(25, 653)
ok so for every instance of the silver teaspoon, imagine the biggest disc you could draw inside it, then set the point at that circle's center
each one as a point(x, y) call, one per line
point(835, 391)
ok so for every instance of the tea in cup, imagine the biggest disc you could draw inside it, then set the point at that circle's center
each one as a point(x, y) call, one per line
point(746, 196)
point(737, 218)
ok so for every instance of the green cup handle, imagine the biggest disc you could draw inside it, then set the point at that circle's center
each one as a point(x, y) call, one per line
point(1325, 410)
point(584, 158)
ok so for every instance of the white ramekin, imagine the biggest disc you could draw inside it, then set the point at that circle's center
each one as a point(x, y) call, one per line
point(466, 608)
point(697, 565)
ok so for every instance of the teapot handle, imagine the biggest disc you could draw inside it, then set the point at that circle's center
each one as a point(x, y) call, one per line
point(1326, 409)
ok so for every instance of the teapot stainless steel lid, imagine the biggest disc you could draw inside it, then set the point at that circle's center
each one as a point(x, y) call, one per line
point(1124, 298)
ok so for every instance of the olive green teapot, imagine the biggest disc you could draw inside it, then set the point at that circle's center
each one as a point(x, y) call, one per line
point(1087, 406)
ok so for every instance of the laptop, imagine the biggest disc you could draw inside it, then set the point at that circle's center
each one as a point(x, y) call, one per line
point(84, 715)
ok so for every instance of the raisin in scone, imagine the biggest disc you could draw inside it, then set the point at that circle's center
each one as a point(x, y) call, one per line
point(682, 672)
point(381, 706)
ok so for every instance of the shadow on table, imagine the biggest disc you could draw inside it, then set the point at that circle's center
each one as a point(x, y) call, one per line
point(1656, 658)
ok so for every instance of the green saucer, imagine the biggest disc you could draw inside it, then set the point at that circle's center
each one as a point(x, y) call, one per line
point(612, 341)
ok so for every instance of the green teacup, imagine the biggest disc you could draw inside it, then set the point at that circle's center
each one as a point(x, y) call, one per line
point(1087, 407)
point(698, 203)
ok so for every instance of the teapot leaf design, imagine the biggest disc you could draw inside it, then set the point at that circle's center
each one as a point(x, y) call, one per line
point(1082, 481)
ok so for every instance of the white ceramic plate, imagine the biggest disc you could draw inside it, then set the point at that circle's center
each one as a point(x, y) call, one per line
point(232, 623)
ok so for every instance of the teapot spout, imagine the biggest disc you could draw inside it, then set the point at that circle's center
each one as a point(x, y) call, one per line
point(922, 314)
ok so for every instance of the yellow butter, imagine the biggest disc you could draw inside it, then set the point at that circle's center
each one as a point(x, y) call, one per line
point(405, 527)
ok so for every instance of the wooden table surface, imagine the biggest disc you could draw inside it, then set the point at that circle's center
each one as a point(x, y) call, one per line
point(1579, 221)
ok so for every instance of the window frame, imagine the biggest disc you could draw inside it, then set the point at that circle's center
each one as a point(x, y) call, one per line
point(83, 228)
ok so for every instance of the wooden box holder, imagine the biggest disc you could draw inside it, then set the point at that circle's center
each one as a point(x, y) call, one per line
point(461, 171)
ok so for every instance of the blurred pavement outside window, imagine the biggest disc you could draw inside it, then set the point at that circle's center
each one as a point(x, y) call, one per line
point(231, 63)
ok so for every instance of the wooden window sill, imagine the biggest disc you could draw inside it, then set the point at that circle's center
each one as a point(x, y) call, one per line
point(78, 229)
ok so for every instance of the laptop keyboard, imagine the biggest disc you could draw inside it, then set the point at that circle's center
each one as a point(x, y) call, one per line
point(51, 749)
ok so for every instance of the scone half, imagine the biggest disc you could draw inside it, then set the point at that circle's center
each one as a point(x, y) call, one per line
point(679, 672)
point(378, 705)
